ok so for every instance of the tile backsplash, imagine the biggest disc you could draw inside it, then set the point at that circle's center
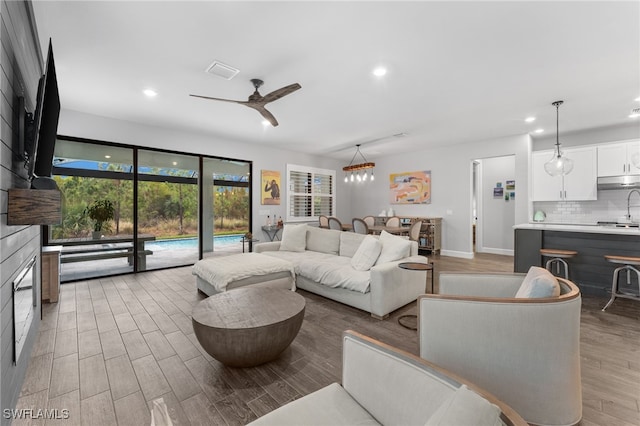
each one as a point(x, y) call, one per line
point(611, 205)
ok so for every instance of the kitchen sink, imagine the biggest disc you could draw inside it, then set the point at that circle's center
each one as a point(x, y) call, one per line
point(619, 225)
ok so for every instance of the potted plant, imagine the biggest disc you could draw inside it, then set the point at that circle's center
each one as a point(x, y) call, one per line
point(100, 211)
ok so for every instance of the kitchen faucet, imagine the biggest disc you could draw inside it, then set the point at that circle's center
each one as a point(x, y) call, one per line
point(628, 204)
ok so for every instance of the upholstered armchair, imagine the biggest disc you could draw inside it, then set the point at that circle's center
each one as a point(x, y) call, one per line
point(526, 351)
point(382, 385)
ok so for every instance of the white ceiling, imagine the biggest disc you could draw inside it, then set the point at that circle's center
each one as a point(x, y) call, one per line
point(457, 71)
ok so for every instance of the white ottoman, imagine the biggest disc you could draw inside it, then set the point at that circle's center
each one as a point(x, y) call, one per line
point(218, 274)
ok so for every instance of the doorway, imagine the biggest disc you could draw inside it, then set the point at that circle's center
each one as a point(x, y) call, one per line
point(493, 204)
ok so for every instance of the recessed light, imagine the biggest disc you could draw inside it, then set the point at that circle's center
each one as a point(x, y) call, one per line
point(107, 156)
point(634, 115)
point(379, 71)
point(637, 99)
point(265, 122)
point(530, 119)
point(175, 163)
point(150, 93)
point(538, 131)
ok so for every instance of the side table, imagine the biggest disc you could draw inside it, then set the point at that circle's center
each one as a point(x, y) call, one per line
point(272, 231)
point(250, 241)
point(410, 321)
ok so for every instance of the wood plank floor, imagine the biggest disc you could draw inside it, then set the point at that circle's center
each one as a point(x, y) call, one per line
point(111, 346)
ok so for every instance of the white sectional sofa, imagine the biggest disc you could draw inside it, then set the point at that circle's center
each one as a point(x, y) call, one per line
point(385, 386)
point(324, 264)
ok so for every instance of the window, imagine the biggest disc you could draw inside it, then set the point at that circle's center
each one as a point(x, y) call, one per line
point(311, 193)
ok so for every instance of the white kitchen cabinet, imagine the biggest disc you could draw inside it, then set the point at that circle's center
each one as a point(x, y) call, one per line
point(545, 187)
point(616, 159)
point(579, 185)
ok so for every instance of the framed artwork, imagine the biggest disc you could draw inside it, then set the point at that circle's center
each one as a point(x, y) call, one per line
point(270, 188)
point(498, 192)
point(410, 188)
point(511, 185)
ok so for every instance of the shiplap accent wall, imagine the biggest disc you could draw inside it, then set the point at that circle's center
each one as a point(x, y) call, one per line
point(20, 67)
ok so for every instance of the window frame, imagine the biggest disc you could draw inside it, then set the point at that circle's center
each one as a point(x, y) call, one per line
point(290, 193)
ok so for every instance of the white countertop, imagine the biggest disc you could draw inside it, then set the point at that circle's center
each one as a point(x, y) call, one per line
point(579, 227)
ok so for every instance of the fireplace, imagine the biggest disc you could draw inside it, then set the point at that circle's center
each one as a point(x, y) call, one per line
point(24, 302)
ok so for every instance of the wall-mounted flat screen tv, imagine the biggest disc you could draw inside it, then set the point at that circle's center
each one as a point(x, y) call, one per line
point(42, 142)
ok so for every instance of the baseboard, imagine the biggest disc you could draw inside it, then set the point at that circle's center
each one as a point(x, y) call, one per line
point(505, 252)
point(453, 253)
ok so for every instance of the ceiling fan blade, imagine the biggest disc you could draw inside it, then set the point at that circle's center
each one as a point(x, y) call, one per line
point(218, 99)
point(266, 114)
point(277, 94)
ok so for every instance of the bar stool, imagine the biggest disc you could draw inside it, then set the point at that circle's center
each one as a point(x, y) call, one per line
point(629, 264)
point(557, 258)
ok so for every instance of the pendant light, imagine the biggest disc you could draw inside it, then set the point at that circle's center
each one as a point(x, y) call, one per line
point(358, 168)
point(558, 165)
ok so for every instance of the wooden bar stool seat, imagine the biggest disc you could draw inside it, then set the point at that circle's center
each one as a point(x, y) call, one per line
point(557, 257)
point(629, 264)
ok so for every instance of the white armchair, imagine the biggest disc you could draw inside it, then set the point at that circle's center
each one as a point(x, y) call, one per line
point(384, 385)
point(524, 351)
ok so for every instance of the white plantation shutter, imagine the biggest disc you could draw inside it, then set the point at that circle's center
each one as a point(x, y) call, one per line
point(311, 193)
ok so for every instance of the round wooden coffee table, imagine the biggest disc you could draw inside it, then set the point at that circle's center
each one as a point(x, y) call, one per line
point(248, 326)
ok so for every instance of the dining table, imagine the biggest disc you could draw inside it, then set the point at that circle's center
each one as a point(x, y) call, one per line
point(377, 229)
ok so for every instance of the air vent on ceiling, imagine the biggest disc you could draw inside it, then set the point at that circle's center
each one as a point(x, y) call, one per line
point(635, 111)
point(222, 70)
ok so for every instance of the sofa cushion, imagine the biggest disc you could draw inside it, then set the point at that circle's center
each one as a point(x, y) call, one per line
point(323, 240)
point(331, 405)
point(349, 243)
point(465, 407)
point(367, 254)
point(538, 283)
point(294, 238)
point(393, 248)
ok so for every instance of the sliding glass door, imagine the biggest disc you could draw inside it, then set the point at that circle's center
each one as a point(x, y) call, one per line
point(89, 176)
point(167, 209)
point(225, 205)
point(163, 209)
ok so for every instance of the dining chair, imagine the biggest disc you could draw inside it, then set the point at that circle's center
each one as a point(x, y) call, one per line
point(359, 226)
point(334, 223)
point(369, 220)
point(323, 221)
point(414, 230)
point(393, 222)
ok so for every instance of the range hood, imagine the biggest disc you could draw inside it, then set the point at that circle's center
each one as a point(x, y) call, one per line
point(619, 182)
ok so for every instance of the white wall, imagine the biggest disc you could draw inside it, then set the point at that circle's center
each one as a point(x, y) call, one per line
point(451, 174)
point(497, 216)
point(81, 125)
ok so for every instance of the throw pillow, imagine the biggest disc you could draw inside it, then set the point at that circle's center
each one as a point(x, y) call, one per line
point(393, 248)
point(367, 254)
point(538, 283)
point(465, 407)
point(294, 238)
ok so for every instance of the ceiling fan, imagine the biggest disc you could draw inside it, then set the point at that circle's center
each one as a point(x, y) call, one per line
point(258, 102)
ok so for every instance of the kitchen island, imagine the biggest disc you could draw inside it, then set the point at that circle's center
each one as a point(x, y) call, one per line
point(588, 269)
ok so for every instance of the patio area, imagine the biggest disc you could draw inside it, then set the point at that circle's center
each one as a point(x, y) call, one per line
point(159, 259)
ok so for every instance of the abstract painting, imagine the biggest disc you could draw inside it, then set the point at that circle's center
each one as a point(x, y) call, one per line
point(410, 187)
